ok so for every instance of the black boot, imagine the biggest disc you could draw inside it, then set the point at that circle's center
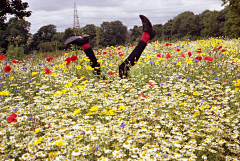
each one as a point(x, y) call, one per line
point(147, 26)
point(136, 53)
point(78, 40)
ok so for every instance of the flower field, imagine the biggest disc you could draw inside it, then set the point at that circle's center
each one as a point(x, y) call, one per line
point(181, 102)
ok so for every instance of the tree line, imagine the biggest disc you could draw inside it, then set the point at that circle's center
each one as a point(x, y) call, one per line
point(184, 26)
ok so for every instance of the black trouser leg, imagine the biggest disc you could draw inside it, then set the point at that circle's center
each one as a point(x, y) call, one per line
point(132, 59)
point(89, 52)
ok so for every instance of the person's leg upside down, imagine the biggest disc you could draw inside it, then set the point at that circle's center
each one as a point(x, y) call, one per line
point(148, 34)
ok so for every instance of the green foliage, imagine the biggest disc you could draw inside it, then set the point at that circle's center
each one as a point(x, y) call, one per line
point(97, 37)
point(15, 52)
point(44, 34)
point(136, 34)
point(91, 31)
point(45, 47)
point(58, 41)
point(167, 28)
point(16, 33)
point(113, 33)
point(232, 24)
point(13, 7)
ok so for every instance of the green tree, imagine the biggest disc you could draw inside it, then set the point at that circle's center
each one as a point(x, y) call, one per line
point(119, 31)
point(221, 18)
point(13, 7)
point(212, 23)
point(159, 31)
point(16, 33)
point(44, 34)
point(106, 35)
point(136, 34)
point(91, 31)
point(45, 47)
point(232, 24)
point(58, 41)
point(167, 29)
point(68, 33)
point(183, 25)
point(113, 33)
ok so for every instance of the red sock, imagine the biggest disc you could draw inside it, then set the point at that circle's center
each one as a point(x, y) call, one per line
point(86, 46)
point(145, 37)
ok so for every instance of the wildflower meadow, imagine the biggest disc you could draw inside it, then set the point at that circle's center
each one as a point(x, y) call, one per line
point(180, 102)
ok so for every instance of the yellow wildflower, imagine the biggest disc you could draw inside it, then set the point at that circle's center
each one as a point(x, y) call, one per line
point(196, 113)
point(68, 85)
point(99, 60)
point(77, 111)
point(34, 73)
point(88, 67)
point(11, 78)
point(59, 142)
point(195, 93)
point(75, 94)
point(82, 87)
point(57, 94)
point(61, 65)
point(36, 131)
point(53, 74)
point(94, 108)
point(104, 112)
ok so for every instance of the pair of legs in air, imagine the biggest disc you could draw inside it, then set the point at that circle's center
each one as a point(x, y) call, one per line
point(148, 34)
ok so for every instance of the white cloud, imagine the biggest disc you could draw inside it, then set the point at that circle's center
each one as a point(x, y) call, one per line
point(61, 12)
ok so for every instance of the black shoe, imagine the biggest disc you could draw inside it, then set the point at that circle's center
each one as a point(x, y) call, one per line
point(79, 40)
point(147, 26)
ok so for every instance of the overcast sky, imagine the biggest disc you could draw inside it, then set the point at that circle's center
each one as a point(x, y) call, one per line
point(61, 12)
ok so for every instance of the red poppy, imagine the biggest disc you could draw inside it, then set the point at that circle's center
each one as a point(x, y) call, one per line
point(143, 95)
point(12, 118)
point(199, 58)
point(120, 54)
point(18, 62)
point(223, 50)
point(199, 50)
point(104, 52)
point(167, 44)
point(189, 54)
point(111, 73)
point(2, 57)
point(159, 55)
point(119, 48)
point(50, 58)
point(178, 50)
point(68, 60)
point(7, 69)
point(220, 47)
point(208, 58)
point(47, 71)
point(73, 58)
point(168, 56)
point(182, 55)
point(13, 61)
point(150, 84)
